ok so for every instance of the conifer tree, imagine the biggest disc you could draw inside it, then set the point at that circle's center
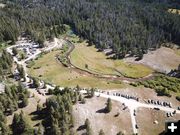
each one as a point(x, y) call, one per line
point(36, 83)
point(101, 132)
point(120, 133)
point(40, 130)
point(88, 127)
point(109, 105)
point(14, 51)
point(24, 101)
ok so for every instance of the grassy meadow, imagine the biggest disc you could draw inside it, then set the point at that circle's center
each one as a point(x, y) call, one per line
point(98, 63)
point(50, 70)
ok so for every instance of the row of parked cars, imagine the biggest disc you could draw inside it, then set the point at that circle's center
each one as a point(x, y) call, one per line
point(126, 96)
point(171, 114)
point(158, 102)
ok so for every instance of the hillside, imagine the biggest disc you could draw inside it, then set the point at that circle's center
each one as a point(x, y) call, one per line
point(129, 27)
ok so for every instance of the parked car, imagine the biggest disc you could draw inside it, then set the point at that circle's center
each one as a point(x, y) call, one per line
point(136, 126)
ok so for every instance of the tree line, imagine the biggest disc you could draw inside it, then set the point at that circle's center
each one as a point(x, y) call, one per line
point(129, 27)
point(38, 23)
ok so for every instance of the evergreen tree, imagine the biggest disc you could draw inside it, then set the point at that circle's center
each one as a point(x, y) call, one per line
point(86, 66)
point(92, 92)
point(55, 130)
point(109, 105)
point(120, 133)
point(78, 88)
point(88, 127)
point(14, 51)
point(15, 122)
point(40, 130)
point(21, 71)
point(39, 108)
point(80, 97)
point(36, 83)
point(101, 132)
point(24, 101)
point(20, 125)
point(8, 91)
point(75, 97)
point(4, 130)
point(83, 101)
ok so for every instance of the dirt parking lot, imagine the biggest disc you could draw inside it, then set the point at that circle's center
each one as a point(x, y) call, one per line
point(146, 121)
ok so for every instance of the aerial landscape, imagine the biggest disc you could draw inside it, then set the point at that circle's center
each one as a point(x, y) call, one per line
point(89, 67)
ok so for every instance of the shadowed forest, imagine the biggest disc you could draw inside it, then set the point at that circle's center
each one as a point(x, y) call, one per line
point(127, 26)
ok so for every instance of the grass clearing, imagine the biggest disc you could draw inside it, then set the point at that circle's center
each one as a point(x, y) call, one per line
point(54, 72)
point(98, 63)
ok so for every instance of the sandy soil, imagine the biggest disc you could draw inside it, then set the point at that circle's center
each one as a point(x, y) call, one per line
point(163, 59)
point(146, 118)
point(110, 124)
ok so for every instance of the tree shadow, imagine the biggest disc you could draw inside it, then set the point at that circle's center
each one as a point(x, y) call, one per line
point(82, 127)
point(87, 96)
point(138, 58)
point(38, 115)
point(162, 133)
point(98, 50)
point(116, 115)
point(103, 110)
point(36, 125)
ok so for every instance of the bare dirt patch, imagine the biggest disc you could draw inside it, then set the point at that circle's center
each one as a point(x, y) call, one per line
point(52, 45)
point(163, 59)
point(110, 124)
point(146, 118)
